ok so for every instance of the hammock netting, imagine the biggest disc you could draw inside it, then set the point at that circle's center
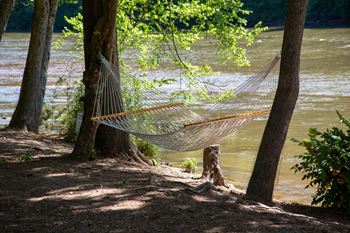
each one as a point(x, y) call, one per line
point(181, 127)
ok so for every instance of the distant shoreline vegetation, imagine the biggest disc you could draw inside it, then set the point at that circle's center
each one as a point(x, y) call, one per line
point(320, 13)
point(331, 13)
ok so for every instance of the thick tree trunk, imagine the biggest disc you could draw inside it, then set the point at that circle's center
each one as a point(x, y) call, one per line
point(100, 37)
point(211, 165)
point(5, 12)
point(28, 110)
point(262, 181)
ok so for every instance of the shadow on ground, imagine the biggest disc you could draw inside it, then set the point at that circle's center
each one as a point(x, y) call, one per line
point(49, 194)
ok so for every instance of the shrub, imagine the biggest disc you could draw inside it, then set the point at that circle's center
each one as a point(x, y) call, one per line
point(25, 157)
point(62, 116)
point(189, 165)
point(69, 115)
point(146, 148)
point(326, 163)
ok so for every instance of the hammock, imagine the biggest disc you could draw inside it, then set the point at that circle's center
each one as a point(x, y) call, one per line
point(180, 127)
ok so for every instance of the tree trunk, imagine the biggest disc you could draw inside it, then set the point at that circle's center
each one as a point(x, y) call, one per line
point(28, 110)
point(99, 17)
point(262, 181)
point(211, 165)
point(5, 12)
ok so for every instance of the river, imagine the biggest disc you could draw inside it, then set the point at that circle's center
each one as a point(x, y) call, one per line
point(325, 88)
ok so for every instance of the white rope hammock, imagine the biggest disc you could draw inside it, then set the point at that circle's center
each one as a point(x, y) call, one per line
point(177, 126)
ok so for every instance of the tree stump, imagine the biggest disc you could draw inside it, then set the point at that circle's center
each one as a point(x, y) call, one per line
point(211, 165)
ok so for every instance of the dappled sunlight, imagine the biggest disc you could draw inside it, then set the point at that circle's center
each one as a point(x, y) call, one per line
point(33, 145)
point(106, 196)
point(84, 110)
point(42, 169)
point(78, 194)
point(60, 174)
point(203, 198)
point(124, 205)
point(215, 229)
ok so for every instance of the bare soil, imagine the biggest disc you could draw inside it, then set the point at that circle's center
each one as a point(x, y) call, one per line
point(50, 193)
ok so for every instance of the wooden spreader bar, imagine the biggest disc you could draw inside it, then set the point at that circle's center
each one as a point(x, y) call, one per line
point(135, 112)
point(229, 118)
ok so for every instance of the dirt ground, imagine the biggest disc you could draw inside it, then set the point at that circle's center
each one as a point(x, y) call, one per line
point(51, 194)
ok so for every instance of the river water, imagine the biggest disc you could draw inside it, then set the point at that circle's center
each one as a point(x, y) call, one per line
point(325, 88)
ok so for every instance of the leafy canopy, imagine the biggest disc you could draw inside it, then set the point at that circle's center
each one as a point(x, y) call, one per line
point(163, 31)
point(157, 26)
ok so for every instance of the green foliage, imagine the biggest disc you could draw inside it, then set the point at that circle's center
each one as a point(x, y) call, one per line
point(162, 32)
point(93, 155)
point(153, 26)
point(25, 157)
point(70, 113)
point(134, 86)
point(319, 12)
point(189, 165)
point(146, 148)
point(75, 31)
point(64, 115)
point(158, 31)
point(66, 8)
point(331, 9)
point(21, 16)
point(265, 10)
point(47, 113)
point(326, 163)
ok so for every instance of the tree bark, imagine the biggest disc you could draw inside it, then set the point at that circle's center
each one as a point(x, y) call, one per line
point(211, 165)
point(99, 17)
point(28, 110)
point(5, 12)
point(262, 181)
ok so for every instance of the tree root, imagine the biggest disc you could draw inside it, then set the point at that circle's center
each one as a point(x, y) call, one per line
point(206, 187)
point(202, 188)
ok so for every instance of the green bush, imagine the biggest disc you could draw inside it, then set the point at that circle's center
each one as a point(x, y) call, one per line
point(326, 163)
point(64, 117)
point(189, 165)
point(25, 157)
point(146, 148)
point(69, 115)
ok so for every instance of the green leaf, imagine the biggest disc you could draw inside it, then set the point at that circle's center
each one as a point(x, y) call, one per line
point(326, 163)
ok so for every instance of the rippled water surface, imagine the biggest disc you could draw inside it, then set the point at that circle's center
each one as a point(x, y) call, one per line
point(325, 87)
